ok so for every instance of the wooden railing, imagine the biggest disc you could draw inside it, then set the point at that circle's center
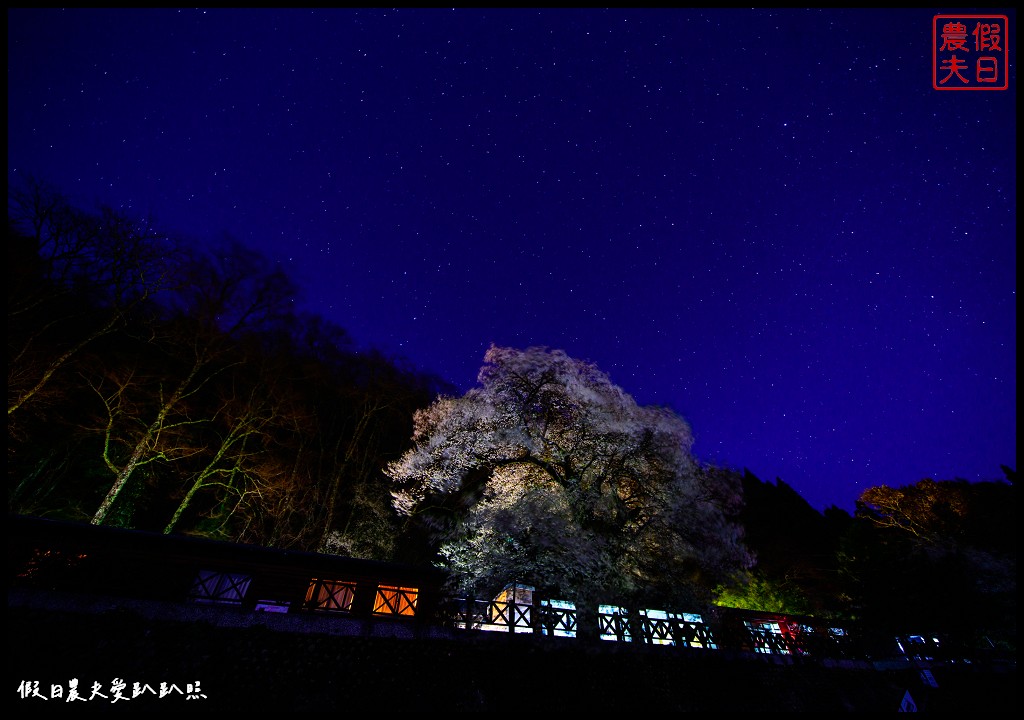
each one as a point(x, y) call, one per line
point(80, 558)
point(733, 629)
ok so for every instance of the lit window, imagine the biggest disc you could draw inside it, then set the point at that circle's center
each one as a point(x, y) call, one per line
point(393, 600)
point(767, 637)
point(558, 618)
point(614, 623)
point(330, 595)
point(221, 588)
point(660, 626)
point(694, 632)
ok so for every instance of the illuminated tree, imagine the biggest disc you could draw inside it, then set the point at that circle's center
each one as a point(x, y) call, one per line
point(928, 511)
point(229, 464)
point(150, 405)
point(765, 594)
point(548, 473)
point(338, 417)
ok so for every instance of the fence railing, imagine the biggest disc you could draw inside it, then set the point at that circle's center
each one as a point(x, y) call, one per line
point(739, 630)
point(81, 558)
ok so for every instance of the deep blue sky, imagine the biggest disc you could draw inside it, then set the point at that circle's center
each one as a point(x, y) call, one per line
point(767, 220)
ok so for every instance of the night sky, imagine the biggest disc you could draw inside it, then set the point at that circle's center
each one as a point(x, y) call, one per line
point(766, 220)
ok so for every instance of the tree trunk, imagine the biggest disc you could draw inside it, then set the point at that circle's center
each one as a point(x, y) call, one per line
point(141, 447)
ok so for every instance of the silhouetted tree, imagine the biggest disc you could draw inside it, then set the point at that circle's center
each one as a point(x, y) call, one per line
point(795, 548)
point(73, 277)
point(939, 556)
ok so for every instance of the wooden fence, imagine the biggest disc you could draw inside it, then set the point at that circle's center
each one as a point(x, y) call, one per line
point(73, 557)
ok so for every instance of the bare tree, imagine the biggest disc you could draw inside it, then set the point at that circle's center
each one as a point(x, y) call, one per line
point(232, 294)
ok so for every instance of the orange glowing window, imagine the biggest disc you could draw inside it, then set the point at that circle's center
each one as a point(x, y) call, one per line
point(330, 595)
point(393, 600)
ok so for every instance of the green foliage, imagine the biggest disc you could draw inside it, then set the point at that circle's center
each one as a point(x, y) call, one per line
point(796, 549)
point(764, 594)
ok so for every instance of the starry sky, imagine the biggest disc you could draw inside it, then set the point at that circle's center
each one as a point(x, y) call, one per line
point(767, 220)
